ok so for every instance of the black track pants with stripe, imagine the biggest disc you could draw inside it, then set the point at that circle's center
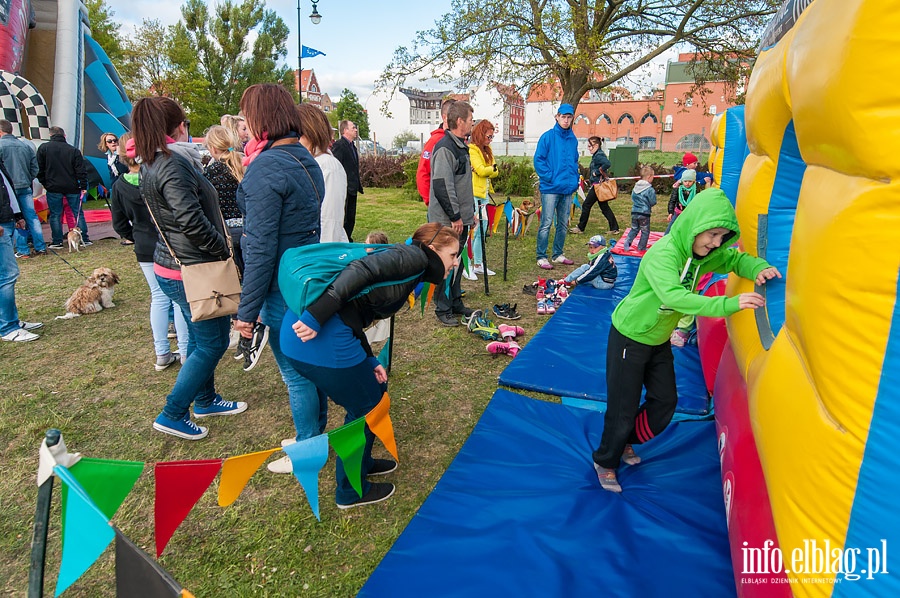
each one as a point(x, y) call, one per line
point(631, 366)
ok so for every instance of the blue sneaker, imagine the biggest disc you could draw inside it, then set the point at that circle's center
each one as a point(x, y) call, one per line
point(220, 406)
point(184, 428)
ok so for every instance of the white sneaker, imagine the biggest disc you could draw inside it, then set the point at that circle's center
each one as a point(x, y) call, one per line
point(545, 264)
point(282, 465)
point(562, 259)
point(20, 335)
point(288, 442)
point(29, 326)
point(468, 274)
point(479, 269)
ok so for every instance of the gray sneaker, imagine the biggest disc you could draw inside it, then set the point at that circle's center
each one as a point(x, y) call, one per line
point(164, 361)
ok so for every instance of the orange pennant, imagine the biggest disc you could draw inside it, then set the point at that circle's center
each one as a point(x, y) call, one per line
point(379, 420)
point(236, 472)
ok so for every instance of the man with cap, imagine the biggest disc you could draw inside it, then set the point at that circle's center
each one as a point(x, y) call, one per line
point(600, 271)
point(556, 164)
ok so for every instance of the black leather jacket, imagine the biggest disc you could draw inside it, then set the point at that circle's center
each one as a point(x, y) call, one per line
point(186, 209)
point(398, 263)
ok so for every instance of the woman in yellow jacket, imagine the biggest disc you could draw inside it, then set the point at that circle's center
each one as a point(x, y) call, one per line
point(483, 170)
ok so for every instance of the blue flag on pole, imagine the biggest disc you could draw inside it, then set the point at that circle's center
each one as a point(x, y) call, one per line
point(308, 52)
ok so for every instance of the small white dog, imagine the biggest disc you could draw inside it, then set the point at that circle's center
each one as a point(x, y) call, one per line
point(75, 239)
point(94, 295)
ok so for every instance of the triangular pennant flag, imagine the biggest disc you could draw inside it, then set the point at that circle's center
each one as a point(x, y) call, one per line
point(379, 420)
point(87, 535)
point(179, 485)
point(236, 472)
point(138, 575)
point(384, 356)
point(493, 221)
point(106, 482)
point(93, 192)
point(508, 210)
point(379, 331)
point(348, 442)
point(308, 457)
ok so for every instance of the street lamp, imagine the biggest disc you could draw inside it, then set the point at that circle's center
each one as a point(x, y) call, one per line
point(316, 18)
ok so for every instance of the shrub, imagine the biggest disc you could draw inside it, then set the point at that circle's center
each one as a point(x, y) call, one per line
point(410, 167)
point(515, 178)
point(381, 171)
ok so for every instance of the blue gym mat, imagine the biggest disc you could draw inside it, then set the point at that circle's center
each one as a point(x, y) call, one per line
point(520, 512)
point(567, 357)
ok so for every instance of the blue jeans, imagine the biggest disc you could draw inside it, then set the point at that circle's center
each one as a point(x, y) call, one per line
point(26, 204)
point(639, 222)
point(206, 346)
point(357, 391)
point(309, 406)
point(160, 304)
point(9, 273)
point(597, 283)
point(559, 205)
point(55, 203)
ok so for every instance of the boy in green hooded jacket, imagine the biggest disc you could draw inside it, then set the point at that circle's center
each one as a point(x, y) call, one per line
point(639, 353)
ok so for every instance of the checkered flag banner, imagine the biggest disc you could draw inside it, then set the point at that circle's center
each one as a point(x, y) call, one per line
point(16, 91)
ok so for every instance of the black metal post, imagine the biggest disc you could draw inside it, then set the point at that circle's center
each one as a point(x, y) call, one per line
point(41, 521)
point(391, 346)
point(484, 264)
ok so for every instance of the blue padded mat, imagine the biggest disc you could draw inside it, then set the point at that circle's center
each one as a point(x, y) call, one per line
point(520, 512)
point(567, 357)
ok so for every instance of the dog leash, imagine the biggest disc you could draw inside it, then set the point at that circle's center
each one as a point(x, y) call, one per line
point(53, 251)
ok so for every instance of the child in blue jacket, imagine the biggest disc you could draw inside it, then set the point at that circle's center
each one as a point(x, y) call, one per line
point(643, 198)
point(600, 271)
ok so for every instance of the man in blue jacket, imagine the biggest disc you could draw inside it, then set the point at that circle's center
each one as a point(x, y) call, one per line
point(556, 164)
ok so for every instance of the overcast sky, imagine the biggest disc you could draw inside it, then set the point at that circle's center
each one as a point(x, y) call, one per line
point(358, 36)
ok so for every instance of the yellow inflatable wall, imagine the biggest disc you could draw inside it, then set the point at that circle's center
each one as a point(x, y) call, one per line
point(824, 396)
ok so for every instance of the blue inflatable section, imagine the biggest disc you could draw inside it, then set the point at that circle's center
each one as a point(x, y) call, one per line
point(520, 512)
point(736, 151)
point(106, 108)
point(878, 485)
point(568, 356)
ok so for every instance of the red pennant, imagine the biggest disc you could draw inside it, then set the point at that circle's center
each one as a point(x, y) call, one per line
point(491, 210)
point(179, 485)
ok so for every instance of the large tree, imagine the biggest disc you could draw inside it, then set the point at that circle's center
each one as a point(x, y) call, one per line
point(220, 41)
point(103, 29)
point(349, 108)
point(582, 44)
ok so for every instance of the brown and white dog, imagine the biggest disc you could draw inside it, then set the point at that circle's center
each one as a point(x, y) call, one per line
point(94, 295)
point(75, 239)
point(526, 213)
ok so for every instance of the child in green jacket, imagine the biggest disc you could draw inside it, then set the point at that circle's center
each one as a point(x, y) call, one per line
point(639, 353)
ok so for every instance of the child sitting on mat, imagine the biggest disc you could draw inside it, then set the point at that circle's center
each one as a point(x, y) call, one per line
point(638, 352)
point(600, 271)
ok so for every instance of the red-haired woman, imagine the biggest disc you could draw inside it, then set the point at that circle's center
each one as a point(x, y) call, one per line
point(484, 168)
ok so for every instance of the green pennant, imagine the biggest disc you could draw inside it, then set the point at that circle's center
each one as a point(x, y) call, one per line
point(423, 296)
point(94, 192)
point(106, 482)
point(384, 356)
point(348, 442)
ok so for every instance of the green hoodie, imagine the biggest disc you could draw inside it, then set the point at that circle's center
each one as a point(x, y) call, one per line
point(663, 290)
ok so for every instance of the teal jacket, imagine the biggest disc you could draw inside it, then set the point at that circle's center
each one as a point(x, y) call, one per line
point(665, 287)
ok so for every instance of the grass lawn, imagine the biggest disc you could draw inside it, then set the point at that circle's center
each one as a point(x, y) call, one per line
point(93, 378)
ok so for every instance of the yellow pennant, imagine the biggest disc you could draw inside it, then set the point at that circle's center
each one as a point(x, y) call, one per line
point(236, 472)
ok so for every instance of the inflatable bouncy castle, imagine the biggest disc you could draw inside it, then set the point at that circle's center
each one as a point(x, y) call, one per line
point(807, 391)
point(52, 72)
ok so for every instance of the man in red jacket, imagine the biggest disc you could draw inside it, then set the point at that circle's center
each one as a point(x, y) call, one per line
point(423, 174)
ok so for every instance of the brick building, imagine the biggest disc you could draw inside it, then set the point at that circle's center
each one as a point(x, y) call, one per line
point(669, 119)
point(308, 86)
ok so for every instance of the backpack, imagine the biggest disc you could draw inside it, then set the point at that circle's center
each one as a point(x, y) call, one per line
point(306, 272)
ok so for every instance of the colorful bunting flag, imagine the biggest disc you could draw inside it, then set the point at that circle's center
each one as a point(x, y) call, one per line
point(425, 296)
point(493, 221)
point(179, 485)
point(87, 533)
point(105, 481)
point(236, 472)
point(138, 575)
point(348, 442)
point(379, 421)
point(308, 457)
point(508, 210)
